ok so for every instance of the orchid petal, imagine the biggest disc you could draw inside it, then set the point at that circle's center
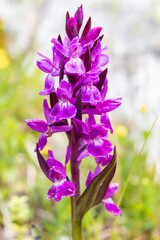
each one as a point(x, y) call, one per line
point(37, 125)
point(75, 66)
point(112, 189)
point(90, 94)
point(106, 122)
point(104, 160)
point(93, 34)
point(59, 47)
point(51, 161)
point(112, 207)
point(42, 141)
point(82, 155)
point(49, 86)
point(81, 127)
point(47, 111)
point(45, 65)
point(68, 155)
point(104, 59)
point(91, 175)
point(57, 173)
point(63, 128)
point(63, 110)
point(64, 91)
point(60, 190)
point(109, 105)
point(99, 147)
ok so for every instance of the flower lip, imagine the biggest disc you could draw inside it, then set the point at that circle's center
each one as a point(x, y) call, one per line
point(57, 174)
point(64, 91)
point(61, 189)
point(97, 130)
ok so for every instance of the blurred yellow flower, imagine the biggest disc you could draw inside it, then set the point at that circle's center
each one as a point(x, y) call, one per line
point(143, 107)
point(4, 60)
point(45, 149)
point(121, 131)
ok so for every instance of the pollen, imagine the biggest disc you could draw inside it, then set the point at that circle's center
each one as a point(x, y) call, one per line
point(4, 60)
point(45, 149)
point(121, 131)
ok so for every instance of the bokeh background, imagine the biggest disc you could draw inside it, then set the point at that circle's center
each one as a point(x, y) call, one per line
point(132, 33)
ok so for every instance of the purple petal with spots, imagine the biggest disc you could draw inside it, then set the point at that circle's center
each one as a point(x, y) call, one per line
point(97, 130)
point(81, 127)
point(75, 66)
point(82, 155)
point(96, 50)
point(42, 141)
point(75, 48)
point(90, 94)
point(63, 128)
point(104, 59)
point(91, 175)
point(63, 110)
point(91, 120)
point(52, 192)
point(93, 34)
point(45, 64)
point(109, 105)
point(59, 47)
point(89, 178)
point(104, 89)
point(57, 173)
point(99, 147)
point(91, 77)
point(112, 207)
point(49, 86)
point(50, 154)
point(112, 189)
point(57, 59)
point(47, 111)
point(60, 190)
point(64, 91)
point(106, 122)
point(51, 161)
point(104, 160)
point(37, 125)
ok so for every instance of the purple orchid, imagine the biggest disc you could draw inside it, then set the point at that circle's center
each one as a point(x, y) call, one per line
point(48, 66)
point(90, 93)
point(57, 174)
point(64, 109)
point(112, 189)
point(79, 62)
point(95, 137)
point(43, 126)
point(72, 50)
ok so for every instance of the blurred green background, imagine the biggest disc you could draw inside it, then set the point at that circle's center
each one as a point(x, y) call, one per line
point(25, 28)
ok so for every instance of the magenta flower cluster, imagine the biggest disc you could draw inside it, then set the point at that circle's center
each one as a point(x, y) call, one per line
point(79, 61)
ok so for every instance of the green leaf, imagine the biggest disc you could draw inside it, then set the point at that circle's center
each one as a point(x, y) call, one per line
point(96, 190)
point(104, 186)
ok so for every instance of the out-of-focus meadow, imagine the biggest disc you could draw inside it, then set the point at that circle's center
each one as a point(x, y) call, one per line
point(132, 35)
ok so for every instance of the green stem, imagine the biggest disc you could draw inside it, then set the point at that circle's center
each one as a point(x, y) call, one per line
point(77, 230)
point(75, 173)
